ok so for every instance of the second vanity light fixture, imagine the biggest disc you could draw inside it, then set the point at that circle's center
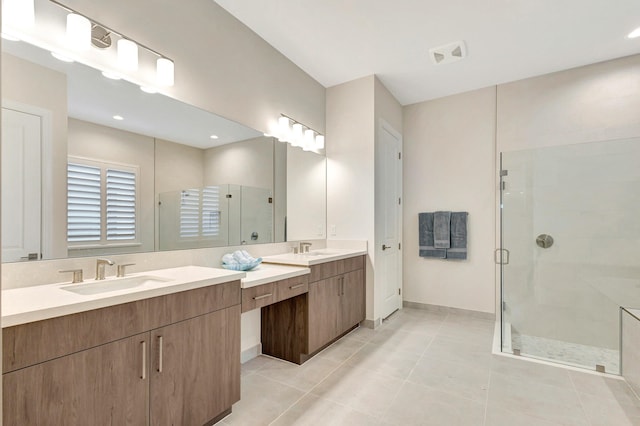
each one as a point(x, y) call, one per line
point(297, 134)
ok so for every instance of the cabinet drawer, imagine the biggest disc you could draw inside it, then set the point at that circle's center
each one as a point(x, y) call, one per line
point(258, 296)
point(350, 264)
point(291, 287)
point(337, 267)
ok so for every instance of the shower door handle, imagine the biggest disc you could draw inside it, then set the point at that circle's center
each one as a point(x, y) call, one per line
point(501, 260)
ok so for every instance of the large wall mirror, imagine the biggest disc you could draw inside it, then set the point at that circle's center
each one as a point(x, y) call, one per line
point(95, 166)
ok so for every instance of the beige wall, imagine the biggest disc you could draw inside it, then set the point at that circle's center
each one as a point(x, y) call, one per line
point(451, 161)
point(248, 163)
point(100, 143)
point(591, 103)
point(350, 168)
point(221, 65)
point(449, 165)
point(29, 84)
point(177, 166)
point(354, 112)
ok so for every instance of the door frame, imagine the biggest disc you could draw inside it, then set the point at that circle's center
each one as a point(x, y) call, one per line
point(46, 172)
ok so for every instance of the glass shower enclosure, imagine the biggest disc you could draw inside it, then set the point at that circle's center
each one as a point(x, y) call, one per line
point(570, 250)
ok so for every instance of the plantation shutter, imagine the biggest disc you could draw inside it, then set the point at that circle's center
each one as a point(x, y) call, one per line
point(211, 211)
point(121, 205)
point(190, 213)
point(83, 203)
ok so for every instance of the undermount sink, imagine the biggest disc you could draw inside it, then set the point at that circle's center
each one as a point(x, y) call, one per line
point(115, 284)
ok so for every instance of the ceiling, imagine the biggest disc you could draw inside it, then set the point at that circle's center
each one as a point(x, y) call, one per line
point(336, 41)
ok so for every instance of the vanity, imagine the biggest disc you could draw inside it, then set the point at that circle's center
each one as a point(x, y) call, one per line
point(303, 314)
point(165, 352)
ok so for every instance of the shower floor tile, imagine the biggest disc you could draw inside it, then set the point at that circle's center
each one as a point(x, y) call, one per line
point(568, 353)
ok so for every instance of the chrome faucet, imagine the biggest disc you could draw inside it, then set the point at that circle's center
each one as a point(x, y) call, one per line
point(304, 247)
point(100, 264)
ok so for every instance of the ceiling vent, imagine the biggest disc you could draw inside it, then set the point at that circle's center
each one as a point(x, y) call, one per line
point(448, 53)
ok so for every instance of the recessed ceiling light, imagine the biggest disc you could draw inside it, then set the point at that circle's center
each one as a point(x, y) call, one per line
point(111, 75)
point(118, 117)
point(635, 33)
point(214, 136)
point(148, 89)
point(61, 57)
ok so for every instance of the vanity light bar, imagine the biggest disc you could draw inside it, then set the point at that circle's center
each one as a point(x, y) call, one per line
point(127, 47)
point(298, 134)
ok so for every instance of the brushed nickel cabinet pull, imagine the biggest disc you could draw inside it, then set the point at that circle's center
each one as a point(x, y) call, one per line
point(159, 354)
point(293, 287)
point(342, 285)
point(264, 296)
point(143, 374)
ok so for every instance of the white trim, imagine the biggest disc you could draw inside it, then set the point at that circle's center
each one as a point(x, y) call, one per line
point(250, 353)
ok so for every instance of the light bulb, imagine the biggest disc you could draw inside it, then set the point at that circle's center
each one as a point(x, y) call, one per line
point(165, 72)
point(284, 130)
point(308, 140)
point(320, 142)
point(78, 32)
point(18, 13)
point(296, 135)
point(127, 55)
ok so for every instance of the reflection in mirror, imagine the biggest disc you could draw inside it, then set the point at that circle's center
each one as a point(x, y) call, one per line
point(76, 181)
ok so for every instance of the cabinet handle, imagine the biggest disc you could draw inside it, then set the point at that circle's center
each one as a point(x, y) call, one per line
point(293, 287)
point(159, 354)
point(143, 374)
point(342, 279)
point(264, 296)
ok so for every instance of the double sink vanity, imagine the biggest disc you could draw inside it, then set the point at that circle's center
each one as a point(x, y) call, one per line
point(163, 347)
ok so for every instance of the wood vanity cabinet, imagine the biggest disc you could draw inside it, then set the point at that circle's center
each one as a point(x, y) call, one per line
point(336, 300)
point(167, 360)
point(102, 385)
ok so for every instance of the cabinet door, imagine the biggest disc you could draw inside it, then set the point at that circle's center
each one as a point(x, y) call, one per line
point(195, 369)
point(353, 299)
point(105, 385)
point(324, 312)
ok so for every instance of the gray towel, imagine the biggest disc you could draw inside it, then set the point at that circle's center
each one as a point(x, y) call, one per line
point(458, 248)
point(441, 229)
point(425, 237)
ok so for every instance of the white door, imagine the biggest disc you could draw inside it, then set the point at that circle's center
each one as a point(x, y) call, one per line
point(21, 135)
point(388, 219)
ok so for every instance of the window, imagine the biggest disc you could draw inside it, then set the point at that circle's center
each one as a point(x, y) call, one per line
point(101, 203)
point(200, 212)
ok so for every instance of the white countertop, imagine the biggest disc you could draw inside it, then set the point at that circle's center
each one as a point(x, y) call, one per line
point(315, 257)
point(28, 304)
point(266, 273)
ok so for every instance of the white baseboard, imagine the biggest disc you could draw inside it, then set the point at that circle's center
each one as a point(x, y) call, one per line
point(251, 353)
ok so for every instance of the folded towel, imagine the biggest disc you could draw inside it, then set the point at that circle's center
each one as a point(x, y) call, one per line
point(441, 229)
point(458, 248)
point(425, 237)
point(229, 259)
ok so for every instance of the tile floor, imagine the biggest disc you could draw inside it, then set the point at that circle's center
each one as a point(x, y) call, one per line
point(426, 368)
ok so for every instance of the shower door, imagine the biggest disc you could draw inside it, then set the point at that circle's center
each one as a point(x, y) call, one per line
point(571, 224)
